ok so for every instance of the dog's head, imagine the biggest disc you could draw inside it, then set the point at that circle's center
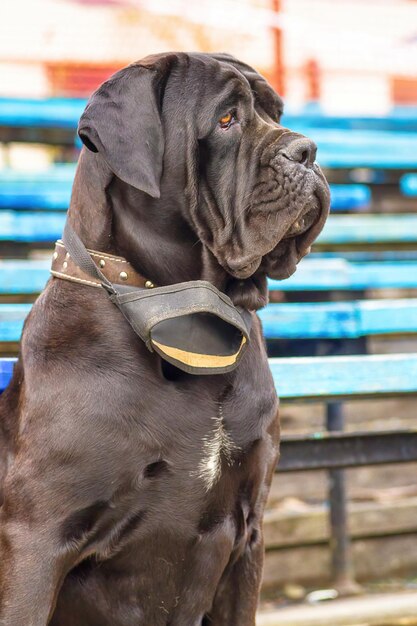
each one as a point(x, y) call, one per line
point(207, 128)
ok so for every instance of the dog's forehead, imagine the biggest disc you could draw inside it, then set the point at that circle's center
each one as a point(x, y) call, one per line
point(200, 86)
point(247, 76)
point(214, 72)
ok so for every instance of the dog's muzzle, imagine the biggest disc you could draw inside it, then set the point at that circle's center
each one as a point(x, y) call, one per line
point(192, 325)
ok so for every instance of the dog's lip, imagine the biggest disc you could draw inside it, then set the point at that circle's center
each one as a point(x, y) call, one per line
point(244, 268)
point(299, 227)
point(303, 223)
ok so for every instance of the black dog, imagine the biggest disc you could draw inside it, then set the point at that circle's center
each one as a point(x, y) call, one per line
point(133, 492)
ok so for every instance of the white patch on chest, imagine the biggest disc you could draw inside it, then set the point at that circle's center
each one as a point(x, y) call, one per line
point(216, 445)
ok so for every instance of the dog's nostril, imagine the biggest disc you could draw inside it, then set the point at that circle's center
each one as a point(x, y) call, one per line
point(301, 150)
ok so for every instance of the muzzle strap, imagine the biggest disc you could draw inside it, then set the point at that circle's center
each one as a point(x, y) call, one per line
point(82, 258)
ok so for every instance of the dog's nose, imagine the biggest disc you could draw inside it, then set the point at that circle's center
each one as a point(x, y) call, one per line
point(301, 150)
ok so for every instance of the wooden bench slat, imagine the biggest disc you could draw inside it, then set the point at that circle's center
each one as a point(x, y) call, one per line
point(292, 320)
point(336, 450)
point(340, 274)
point(352, 197)
point(339, 320)
point(12, 317)
point(66, 111)
point(321, 378)
point(33, 226)
point(21, 276)
point(365, 256)
point(376, 149)
point(328, 377)
point(46, 189)
point(46, 113)
point(369, 229)
point(398, 119)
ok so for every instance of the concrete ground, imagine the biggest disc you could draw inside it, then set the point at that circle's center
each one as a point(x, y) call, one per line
point(388, 609)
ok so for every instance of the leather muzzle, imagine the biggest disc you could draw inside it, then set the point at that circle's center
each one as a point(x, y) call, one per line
point(192, 325)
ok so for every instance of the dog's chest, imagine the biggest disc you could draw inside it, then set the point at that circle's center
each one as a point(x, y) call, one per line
point(211, 429)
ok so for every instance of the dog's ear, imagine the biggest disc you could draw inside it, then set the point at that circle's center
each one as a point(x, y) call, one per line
point(122, 122)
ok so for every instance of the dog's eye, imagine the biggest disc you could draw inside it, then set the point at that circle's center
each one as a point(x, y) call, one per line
point(227, 120)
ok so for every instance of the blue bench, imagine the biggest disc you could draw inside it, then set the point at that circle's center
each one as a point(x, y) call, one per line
point(369, 229)
point(51, 121)
point(388, 144)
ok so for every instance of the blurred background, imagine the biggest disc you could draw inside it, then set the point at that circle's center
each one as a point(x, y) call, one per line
point(347, 70)
point(351, 56)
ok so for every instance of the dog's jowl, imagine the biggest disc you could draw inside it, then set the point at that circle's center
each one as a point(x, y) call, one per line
point(132, 490)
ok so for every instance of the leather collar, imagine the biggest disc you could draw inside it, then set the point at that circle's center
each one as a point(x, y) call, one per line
point(115, 268)
point(192, 325)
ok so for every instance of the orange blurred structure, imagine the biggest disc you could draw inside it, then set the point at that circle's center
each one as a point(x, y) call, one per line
point(77, 79)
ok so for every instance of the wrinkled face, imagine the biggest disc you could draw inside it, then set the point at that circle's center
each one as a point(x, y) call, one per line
point(200, 135)
point(262, 197)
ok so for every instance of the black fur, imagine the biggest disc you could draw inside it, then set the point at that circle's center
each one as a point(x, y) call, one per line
point(133, 492)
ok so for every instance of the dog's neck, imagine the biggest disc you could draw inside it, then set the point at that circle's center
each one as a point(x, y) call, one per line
point(155, 237)
point(89, 212)
point(111, 216)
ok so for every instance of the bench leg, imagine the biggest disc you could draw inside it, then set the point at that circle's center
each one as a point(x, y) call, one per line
point(340, 544)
